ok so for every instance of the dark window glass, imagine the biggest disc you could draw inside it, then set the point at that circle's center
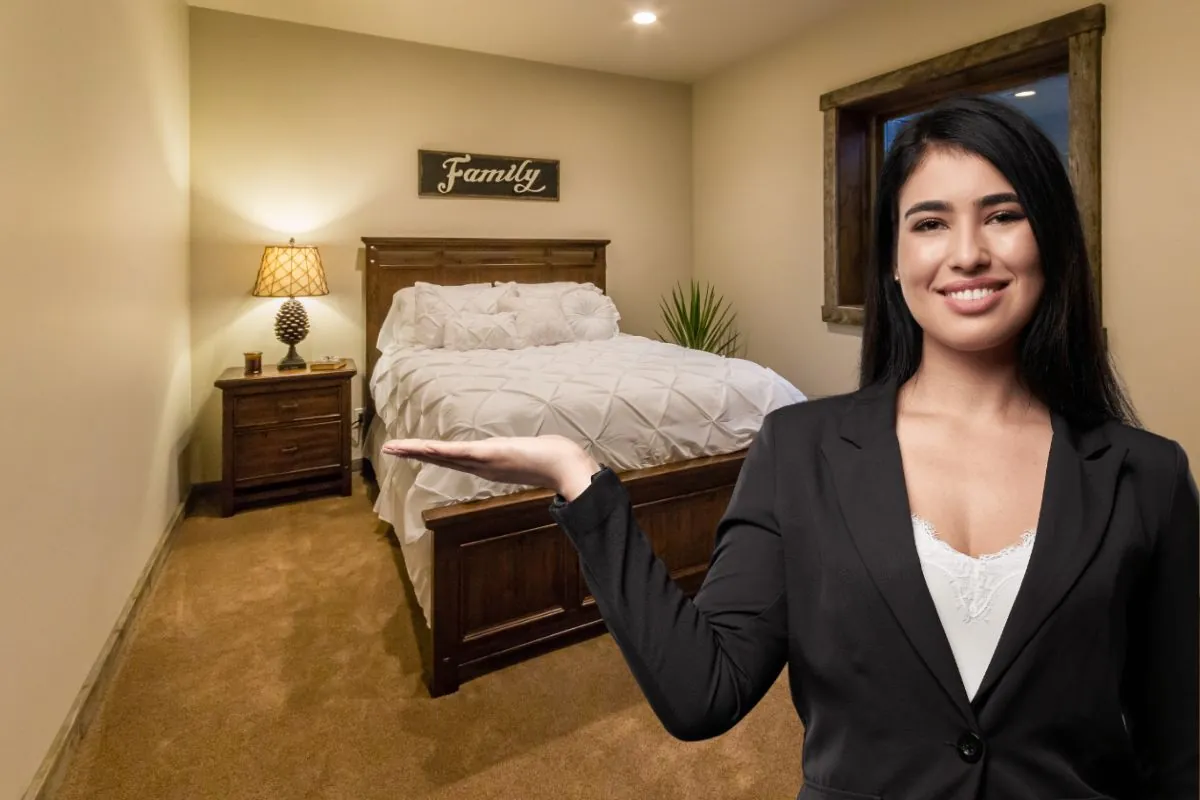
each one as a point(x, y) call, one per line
point(1045, 101)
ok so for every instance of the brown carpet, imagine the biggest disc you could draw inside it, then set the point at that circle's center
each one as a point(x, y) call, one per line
point(279, 657)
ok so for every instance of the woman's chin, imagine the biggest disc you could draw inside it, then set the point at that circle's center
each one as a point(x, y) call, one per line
point(973, 336)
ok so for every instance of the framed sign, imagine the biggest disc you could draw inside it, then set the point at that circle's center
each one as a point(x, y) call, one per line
point(449, 174)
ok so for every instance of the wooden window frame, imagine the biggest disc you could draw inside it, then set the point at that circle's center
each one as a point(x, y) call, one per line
point(855, 114)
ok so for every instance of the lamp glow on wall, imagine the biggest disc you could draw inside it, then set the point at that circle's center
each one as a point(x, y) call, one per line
point(291, 271)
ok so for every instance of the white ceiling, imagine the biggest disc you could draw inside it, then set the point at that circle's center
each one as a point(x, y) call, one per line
point(691, 39)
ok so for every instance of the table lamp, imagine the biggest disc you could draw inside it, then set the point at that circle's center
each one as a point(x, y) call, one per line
point(291, 271)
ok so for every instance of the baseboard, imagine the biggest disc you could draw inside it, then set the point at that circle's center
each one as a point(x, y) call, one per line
point(49, 776)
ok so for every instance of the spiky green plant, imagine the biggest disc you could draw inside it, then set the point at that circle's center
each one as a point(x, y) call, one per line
point(700, 319)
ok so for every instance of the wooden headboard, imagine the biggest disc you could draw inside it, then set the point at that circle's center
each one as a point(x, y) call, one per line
point(393, 264)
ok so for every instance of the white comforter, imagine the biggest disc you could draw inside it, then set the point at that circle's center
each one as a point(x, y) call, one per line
point(631, 401)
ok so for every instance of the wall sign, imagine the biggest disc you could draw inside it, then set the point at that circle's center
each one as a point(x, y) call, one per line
point(450, 174)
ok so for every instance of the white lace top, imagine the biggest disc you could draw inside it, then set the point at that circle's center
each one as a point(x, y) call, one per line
point(973, 596)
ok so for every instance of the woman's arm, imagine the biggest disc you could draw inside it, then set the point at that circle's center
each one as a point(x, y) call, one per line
point(1164, 713)
point(701, 664)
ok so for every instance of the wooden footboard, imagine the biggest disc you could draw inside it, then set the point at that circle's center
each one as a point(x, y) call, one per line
point(507, 583)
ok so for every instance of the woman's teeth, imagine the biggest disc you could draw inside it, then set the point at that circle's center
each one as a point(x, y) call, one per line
point(972, 294)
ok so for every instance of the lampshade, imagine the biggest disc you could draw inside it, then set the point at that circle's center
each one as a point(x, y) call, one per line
point(290, 270)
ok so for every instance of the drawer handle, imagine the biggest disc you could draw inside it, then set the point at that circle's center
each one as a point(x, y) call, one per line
point(289, 448)
point(288, 406)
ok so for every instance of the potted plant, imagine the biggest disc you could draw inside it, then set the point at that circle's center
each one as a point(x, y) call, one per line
point(700, 319)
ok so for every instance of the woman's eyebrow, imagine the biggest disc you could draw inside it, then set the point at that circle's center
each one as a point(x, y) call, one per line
point(997, 199)
point(942, 206)
point(927, 205)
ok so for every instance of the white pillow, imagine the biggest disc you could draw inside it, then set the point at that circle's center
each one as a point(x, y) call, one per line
point(399, 326)
point(592, 316)
point(549, 289)
point(471, 330)
point(540, 320)
point(436, 304)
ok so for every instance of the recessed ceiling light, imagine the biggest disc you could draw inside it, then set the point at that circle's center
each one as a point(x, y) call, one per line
point(645, 18)
point(1026, 93)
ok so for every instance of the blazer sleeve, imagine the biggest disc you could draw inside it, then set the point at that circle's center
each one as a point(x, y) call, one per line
point(702, 664)
point(1164, 708)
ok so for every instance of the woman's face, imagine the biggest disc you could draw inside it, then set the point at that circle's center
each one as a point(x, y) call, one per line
point(966, 258)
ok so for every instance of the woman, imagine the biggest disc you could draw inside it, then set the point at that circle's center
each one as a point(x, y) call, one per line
point(981, 575)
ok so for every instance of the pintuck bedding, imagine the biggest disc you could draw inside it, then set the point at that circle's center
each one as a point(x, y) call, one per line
point(632, 402)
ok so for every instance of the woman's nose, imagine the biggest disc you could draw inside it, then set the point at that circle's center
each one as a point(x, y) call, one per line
point(969, 249)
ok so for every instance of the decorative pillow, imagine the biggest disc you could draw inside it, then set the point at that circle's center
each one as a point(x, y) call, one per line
point(399, 326)
point(549, 289)
point(471, 330)
point(540, 320)
point(591, 315)
point(436, 304)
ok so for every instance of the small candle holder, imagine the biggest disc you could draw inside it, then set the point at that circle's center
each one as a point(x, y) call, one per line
point(254, 363)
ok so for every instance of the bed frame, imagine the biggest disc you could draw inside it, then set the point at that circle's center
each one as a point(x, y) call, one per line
point(506, 581)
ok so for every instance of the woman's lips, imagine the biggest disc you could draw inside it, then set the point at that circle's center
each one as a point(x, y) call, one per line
point(976, 300)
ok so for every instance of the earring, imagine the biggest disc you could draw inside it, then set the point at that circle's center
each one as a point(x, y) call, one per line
point(896, 276)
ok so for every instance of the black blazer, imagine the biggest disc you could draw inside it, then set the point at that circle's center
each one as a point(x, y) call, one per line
point(1092, 691)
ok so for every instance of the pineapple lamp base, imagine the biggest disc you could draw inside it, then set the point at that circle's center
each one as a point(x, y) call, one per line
point(291, 328)
point(292, 360)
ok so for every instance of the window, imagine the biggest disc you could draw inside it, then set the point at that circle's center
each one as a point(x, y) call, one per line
point(1051, 71)
point(1046, 101)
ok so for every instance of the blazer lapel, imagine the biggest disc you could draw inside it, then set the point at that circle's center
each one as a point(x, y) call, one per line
point(868, 471)
point(1077, 500)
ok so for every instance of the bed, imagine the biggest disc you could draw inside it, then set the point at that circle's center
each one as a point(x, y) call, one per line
point(495, 578)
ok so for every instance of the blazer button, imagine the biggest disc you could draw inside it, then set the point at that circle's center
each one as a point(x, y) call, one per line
point(970, 747)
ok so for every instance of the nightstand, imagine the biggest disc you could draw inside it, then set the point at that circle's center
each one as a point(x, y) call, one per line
point(286, 434)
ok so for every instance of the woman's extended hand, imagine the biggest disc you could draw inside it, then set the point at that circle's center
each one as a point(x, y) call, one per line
point(549, 462)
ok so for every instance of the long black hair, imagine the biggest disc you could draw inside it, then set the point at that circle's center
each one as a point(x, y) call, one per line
point(1063, 360)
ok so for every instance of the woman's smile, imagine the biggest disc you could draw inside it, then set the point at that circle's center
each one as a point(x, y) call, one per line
point(974, 297)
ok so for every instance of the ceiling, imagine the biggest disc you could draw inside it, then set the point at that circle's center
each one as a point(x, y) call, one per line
point(691, 39)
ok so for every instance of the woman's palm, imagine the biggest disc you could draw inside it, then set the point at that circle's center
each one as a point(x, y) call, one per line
point(543, 461)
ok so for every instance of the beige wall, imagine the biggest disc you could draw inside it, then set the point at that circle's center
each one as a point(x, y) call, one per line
point(306, 132)
point(758, 186)
point(95, 408)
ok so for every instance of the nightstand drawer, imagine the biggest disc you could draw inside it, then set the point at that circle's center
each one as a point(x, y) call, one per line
point(278, 452)
point(275, 407)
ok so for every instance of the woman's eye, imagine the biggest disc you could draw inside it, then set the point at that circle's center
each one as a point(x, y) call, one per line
point(927, 225)
point(1007, 216)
